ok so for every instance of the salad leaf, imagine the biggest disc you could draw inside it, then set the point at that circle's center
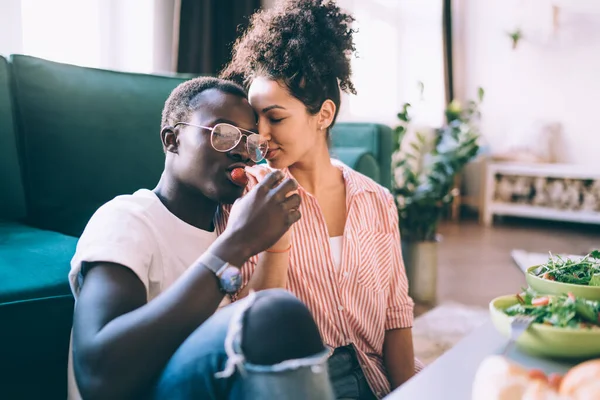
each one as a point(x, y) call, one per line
point(564, 311)
point(595, 281)
point(584, 271)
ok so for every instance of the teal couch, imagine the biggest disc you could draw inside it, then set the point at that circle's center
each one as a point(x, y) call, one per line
point(72, 138)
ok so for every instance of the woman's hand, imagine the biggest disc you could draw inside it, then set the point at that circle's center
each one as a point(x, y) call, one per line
point(259, 172)
point(259, 219)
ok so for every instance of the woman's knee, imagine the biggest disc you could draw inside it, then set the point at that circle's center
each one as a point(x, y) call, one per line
point(278, 327)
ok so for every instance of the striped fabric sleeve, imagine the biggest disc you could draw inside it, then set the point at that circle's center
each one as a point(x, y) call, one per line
point(400, 306)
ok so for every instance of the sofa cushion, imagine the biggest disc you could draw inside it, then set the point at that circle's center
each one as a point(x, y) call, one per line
point(87, 135)
point(12, 200)
point(34, 263)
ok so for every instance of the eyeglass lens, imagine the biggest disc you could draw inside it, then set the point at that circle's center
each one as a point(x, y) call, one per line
point(225, 137)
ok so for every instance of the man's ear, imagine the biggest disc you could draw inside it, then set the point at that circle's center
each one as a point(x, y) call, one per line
point(326, 114)
point(169, 139)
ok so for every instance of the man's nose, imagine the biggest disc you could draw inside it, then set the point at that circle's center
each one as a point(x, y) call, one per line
point(240, 152)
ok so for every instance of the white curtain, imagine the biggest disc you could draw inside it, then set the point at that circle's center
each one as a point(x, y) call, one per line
point(131, 35)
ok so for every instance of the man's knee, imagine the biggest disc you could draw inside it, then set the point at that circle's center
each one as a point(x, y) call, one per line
point(277, 297)
point(278, 327)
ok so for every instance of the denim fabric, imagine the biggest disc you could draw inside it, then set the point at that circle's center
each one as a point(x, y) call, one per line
point(347, 377)
point(210, 365)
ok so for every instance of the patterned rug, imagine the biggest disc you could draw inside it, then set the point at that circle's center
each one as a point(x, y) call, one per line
point(438, 330)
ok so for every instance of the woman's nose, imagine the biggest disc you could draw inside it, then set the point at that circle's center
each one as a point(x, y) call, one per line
point(264, 130)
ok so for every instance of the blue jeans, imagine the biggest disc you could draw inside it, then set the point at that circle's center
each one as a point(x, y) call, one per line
point(348, 379)
point(210, 364)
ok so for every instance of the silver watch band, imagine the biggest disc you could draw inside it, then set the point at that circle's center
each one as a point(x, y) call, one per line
point(214, 263)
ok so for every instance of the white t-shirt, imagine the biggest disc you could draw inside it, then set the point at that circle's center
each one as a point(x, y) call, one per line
point(138, 231)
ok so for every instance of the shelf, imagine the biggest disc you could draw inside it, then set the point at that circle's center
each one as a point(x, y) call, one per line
point(564, 171)
point(522, 210)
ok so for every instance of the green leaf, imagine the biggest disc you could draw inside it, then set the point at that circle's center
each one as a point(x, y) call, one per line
point(595, 254)
point(595, 281)
point(585, 311)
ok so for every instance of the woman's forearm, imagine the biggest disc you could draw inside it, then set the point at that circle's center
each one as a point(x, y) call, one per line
point(398, 356)
point(271, 272)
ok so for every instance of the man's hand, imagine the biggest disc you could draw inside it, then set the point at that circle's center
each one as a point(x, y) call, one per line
point(259, 219)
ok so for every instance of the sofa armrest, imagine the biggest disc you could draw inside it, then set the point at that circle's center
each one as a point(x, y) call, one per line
point(359, 159)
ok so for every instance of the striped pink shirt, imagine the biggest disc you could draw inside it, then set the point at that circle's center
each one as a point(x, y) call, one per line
point(368, 294)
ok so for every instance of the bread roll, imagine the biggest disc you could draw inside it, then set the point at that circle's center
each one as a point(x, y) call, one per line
point(499, 379)
point(540, 390)
point(582, 382)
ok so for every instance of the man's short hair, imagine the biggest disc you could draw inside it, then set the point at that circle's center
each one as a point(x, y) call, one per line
point(182, 101)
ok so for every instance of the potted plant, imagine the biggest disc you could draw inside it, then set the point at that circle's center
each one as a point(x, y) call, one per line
point(425, 166)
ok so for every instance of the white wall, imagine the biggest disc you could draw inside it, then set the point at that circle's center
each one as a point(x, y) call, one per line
point(551, 76)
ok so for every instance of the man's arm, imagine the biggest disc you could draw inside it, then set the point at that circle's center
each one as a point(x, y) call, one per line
point(120, 342)
point(398, 356)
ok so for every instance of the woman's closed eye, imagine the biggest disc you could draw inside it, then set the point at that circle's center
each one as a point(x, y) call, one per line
point(275, 120)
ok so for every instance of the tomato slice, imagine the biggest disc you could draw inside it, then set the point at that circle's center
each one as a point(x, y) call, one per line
point(554, 380)
point(537, 374)
point(540, 301)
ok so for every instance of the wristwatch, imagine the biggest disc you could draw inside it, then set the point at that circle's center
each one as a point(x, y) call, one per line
point(229, 276)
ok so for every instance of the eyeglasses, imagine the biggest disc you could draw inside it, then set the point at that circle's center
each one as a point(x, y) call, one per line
point(225, 137)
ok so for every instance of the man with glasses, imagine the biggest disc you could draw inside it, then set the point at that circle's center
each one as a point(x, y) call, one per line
point(151, 269)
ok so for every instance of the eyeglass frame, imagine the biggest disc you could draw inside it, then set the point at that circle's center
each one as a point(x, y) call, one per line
point(240, 130)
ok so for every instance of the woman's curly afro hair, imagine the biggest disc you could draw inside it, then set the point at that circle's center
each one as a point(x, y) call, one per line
point(305, 44)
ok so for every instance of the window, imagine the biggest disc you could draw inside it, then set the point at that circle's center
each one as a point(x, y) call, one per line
point(96, 33)
point(399, 44)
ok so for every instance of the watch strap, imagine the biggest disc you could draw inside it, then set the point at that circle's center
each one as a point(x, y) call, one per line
point(214, 263)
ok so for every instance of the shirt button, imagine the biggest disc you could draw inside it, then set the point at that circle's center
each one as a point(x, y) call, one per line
point(346, 274)
point(340, 308)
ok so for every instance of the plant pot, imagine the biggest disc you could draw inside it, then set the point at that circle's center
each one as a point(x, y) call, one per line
point(420, 262)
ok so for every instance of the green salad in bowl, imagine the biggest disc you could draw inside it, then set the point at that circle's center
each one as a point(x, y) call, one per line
point(565, 326)
point(563, 311)
point(580, 276)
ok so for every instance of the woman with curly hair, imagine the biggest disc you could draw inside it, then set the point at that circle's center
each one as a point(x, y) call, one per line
point(345, 261)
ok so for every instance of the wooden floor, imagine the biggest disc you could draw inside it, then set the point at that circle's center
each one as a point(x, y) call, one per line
point(475, 263)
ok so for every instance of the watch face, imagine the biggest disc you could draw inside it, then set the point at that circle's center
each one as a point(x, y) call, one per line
point(231, 280)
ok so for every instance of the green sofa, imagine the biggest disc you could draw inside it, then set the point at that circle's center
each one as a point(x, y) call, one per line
point(72, 138)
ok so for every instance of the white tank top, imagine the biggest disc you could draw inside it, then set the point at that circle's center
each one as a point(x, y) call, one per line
point(336, 250)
